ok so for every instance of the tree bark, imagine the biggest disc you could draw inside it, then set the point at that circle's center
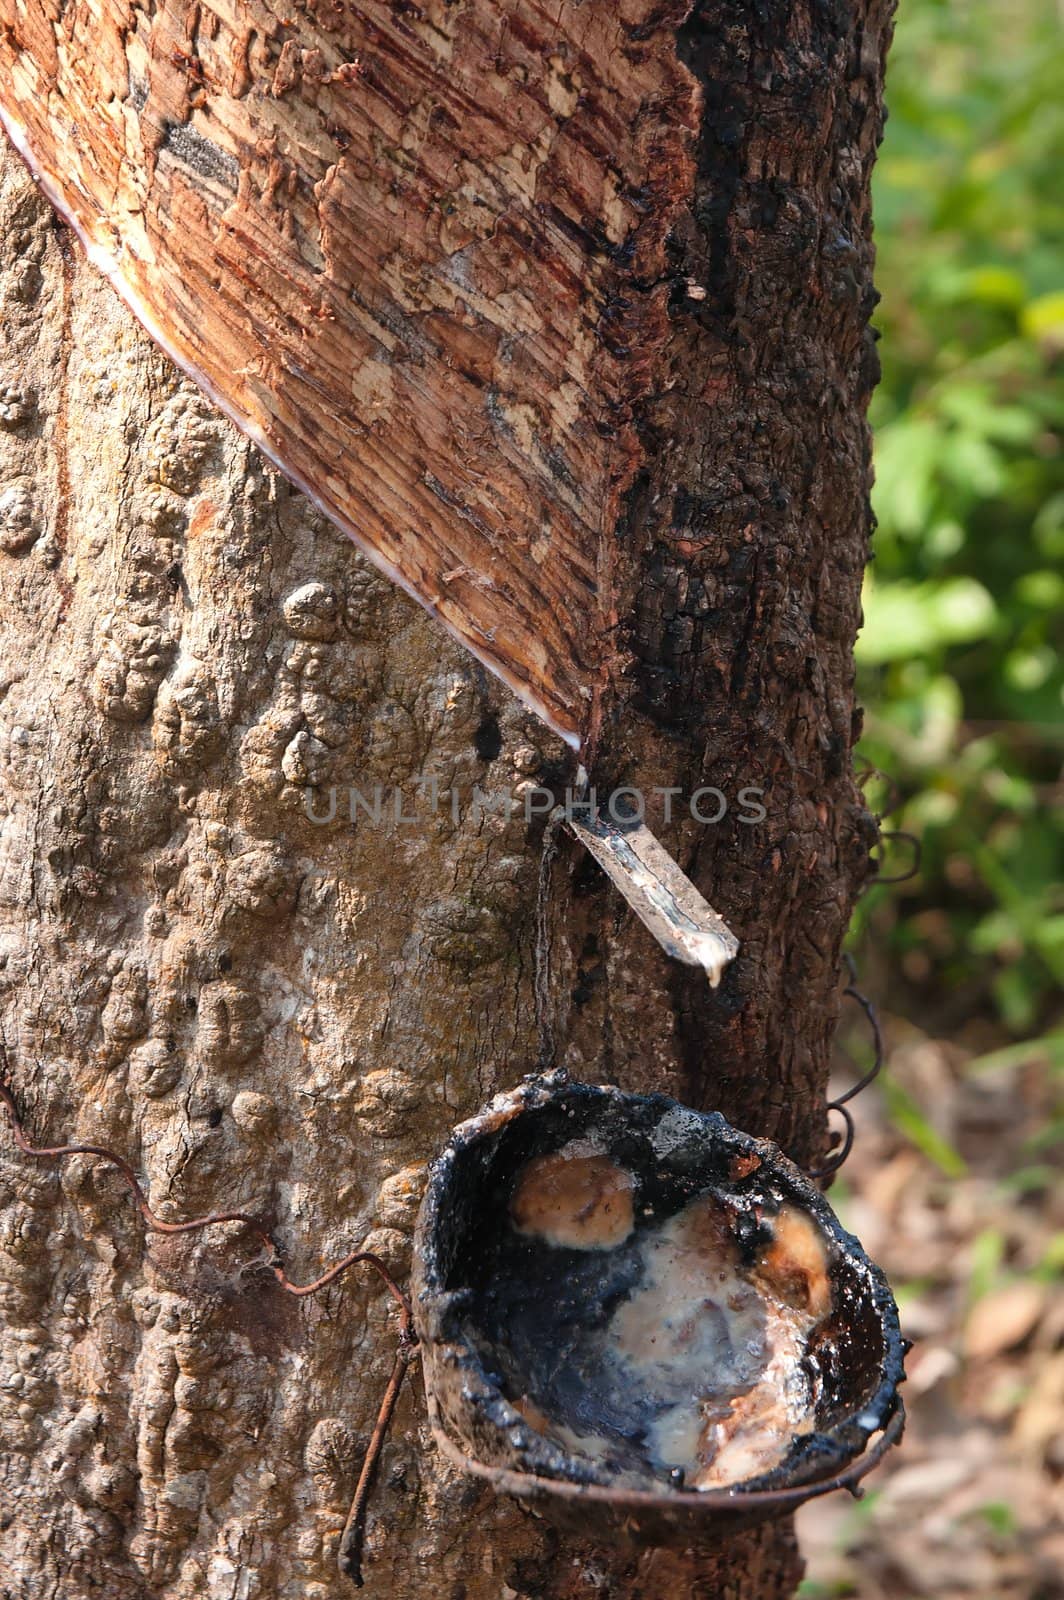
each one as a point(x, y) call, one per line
point(284, 1015)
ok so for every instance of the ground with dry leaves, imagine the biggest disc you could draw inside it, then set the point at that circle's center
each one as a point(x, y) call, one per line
point(953, 1187)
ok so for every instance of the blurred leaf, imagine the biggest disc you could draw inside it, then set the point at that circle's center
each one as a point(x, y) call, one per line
point(906, 619)
point(1044, 317)
point(1051, 1265)
point(1003, 1318)
point(1042, 589)
point(993, 286)
point(911, 1121)
point(1050, 1047)
point(1000, 1518)
point(988, 1252)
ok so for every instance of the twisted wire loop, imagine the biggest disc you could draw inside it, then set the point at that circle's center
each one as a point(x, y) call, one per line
point(841, 1104)
point(868, 774)
point(893, 802)
point(351, 1543)
point(918, 853)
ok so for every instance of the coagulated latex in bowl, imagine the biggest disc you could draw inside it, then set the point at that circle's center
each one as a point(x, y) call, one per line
point(633, 1313)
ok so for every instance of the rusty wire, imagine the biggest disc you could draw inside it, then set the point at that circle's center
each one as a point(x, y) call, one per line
point(351, 1543)
point(732, 1501)
point(841, 1104)
point(893, 801)
point(918, 851)
point(349, 1555)
point(868, 774)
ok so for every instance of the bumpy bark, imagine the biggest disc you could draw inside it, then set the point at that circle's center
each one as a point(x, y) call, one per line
point(286, 1016)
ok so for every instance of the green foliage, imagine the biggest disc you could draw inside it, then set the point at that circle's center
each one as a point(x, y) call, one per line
point(960, 660)
point(910, 1120)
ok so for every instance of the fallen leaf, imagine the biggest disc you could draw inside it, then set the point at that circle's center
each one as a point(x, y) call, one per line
point(1041, 1418)
point(1003, 1319)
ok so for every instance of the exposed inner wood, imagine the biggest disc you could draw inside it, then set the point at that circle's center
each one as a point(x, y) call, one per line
point(416, 252)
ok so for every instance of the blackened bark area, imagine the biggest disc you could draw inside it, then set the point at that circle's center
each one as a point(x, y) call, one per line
point(743, 550)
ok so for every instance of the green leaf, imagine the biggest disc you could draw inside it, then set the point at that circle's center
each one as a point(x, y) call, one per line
point(904, 619)
point(910, 1120)
point(1044, 318)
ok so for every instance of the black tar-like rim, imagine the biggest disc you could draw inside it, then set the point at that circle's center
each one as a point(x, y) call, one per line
point(859, 1349)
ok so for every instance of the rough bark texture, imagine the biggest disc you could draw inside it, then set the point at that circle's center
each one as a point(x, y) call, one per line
point(266, 1012)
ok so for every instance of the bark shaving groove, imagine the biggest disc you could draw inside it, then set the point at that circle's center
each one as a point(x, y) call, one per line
point(407, 229)
point(287, 1018)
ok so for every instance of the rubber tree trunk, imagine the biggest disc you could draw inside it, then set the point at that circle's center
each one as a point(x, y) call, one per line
point(266, 1010)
